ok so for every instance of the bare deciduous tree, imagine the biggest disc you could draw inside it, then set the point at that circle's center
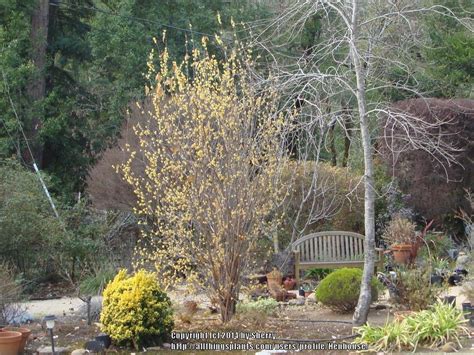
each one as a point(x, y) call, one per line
point(363, 51)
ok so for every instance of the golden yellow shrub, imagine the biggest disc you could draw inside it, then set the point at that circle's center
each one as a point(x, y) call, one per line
point(135, 310)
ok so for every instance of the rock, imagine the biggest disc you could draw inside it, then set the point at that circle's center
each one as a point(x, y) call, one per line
point(46, 350)
point(449, 348)
point(94, 346)
point(96, 308)
point(462, 262)
point(159, 348)
point(79, 352)
point(453, 253)
point(310, 300)
point(296, 302)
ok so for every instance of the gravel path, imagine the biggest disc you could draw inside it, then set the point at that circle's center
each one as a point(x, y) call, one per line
point(60, 307)
point(68, 306)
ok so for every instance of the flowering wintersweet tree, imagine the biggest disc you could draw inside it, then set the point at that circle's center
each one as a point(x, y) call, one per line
point(212, 150)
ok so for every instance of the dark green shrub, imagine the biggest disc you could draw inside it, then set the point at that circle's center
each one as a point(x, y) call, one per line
point(38, 245)
point(28, 228)
point(340, 289)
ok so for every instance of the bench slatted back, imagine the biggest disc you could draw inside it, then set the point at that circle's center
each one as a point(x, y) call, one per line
point(330, 246)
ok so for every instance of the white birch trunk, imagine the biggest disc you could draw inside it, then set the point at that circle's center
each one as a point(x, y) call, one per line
point(362, 310)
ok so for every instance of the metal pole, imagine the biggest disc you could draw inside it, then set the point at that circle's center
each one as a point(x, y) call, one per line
point(52, 341)
point(46, 190)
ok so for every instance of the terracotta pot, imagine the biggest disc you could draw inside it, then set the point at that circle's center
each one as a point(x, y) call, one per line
point(289, 284)
point(10, 342)
point(25, 334)
point(307, 293)
point(274, 279)
point(402, 253)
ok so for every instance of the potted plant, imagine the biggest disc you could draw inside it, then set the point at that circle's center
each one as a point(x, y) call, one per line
point(440, 269)
point(401, 236)
point(308, 288)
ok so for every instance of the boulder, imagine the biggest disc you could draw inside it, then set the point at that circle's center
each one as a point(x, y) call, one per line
point(79, 352)
point(46, 350)
point(463, 260)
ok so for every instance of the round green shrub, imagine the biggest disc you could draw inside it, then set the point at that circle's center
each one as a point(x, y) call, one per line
point(340, 289)
point(135, 310)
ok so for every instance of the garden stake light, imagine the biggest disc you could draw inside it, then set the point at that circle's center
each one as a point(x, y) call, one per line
point(50, 325)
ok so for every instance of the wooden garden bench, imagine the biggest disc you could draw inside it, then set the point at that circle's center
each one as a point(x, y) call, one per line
point(331, 250)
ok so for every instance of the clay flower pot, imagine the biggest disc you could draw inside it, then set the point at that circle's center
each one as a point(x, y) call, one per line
point(402, 253)
point(10, 342)
point(289, 283)
point(274, 279)
point(25, 334)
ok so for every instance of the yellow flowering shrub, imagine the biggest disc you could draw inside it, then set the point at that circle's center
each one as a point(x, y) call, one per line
point(135, 310)
point(212, 151)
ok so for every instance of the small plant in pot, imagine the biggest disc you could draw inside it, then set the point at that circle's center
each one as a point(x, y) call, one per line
point(440, 271)
point(401, 236)
point(308, 287)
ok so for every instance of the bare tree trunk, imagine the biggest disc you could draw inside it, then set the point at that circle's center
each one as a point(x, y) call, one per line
point(362, 310)
point(348, 135)
point(228, 301)
point(227, 309)
point(332, 145)
point(37, 88)
point(276, 242)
